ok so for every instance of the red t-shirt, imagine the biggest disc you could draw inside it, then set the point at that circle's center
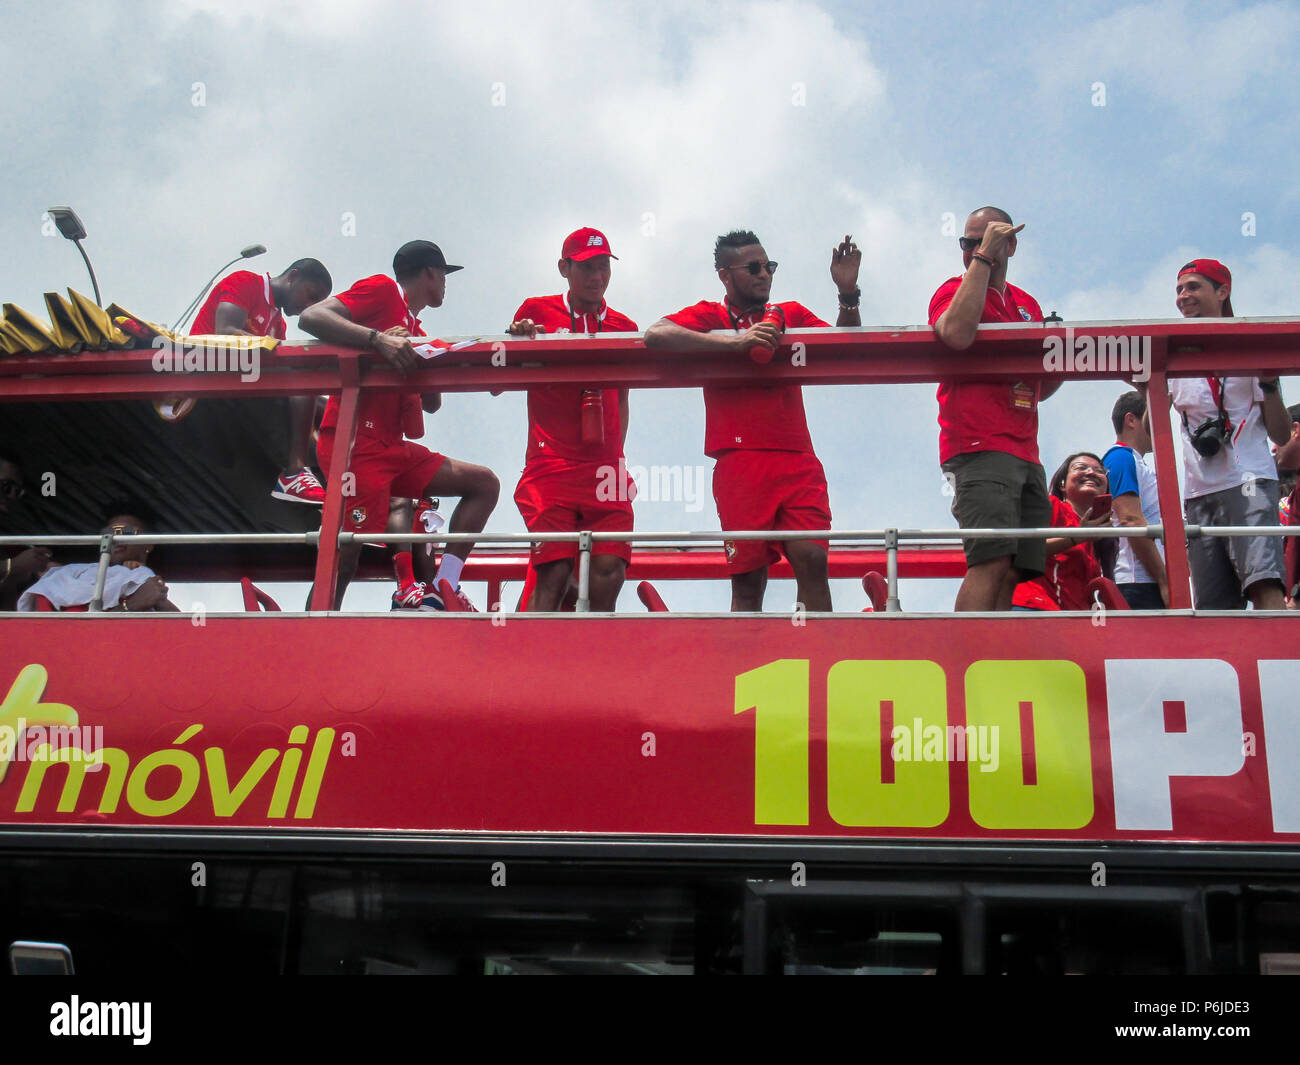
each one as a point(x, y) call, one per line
point(252, 293)
point(1065, 584)
point(555, 411)
point(378, 303)
point(752, 417)
point(989, 415)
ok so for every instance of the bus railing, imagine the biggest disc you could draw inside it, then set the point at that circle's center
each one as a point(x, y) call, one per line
point(892, 539)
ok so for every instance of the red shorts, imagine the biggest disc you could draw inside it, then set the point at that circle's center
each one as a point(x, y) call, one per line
point(382, 471)
point(768, 490)
point(558, 495)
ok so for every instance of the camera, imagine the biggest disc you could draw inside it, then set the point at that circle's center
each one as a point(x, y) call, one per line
point(1209, 437)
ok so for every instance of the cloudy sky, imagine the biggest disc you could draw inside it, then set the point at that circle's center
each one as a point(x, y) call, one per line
point(1128, 137)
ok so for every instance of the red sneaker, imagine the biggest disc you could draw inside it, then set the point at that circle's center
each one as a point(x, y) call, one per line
point(453, 601)
point(302, 487)
point(411, 597)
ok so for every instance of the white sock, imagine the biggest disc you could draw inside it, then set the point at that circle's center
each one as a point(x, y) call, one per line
point(449, 570)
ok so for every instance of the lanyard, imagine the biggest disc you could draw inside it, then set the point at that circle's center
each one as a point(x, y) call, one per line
point(1217, 389)
point(573, 321)
point(737, 320)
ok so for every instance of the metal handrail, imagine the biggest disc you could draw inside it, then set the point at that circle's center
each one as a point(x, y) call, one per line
point(892, 538)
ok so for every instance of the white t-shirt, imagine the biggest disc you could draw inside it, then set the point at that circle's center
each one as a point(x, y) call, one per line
point(1245, 456)
point(74, 585)
point(1128, 570)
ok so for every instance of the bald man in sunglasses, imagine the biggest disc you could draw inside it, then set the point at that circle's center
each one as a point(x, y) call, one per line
point(767, 475)
point(988, 430)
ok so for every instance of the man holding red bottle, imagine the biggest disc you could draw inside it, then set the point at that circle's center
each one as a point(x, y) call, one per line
point(576, 437)
point(767, 475)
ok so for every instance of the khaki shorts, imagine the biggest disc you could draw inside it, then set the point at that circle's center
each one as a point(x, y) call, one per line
point(1223, 567)
point(994, 490)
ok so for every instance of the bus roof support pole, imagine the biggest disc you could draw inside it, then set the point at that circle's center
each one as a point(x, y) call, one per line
point(584, 573)
point(101, 574)
point(1171, 507)
point(331, 519)
point(892, 605)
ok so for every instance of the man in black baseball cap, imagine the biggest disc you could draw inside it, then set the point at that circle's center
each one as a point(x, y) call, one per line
point(380, 314)
point(415, 255)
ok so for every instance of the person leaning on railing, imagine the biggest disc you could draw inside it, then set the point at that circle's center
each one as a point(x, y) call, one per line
point(988, 430)
point(576, 436)
point(766, 474)
point(384, 463)
point(130, 586)
point(1072, 564)
point(1229, 474)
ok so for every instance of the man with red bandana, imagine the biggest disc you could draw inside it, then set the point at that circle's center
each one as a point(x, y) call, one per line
point(1229, 474)
point(380, 314)
point(576, 437)
point(988, 430)
point(767, 475)
point(249, 304)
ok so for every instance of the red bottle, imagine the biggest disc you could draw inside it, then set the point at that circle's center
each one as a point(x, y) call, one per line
point(593, 416)
point(761, 353)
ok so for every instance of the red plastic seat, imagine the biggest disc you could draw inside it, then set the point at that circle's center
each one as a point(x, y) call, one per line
point(651, 598)
point(877, 589)
point(1104, 591)
point(255, 598)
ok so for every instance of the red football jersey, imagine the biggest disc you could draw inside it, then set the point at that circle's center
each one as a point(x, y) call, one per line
point(555, 411)
point(252, 293)
point(753, 417)
point(989, 415)
point(377, 303)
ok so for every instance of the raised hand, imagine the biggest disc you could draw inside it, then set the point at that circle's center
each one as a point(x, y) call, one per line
point(845, 261)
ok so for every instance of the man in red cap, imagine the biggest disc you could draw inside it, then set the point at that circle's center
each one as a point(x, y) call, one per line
point(767, 475)
point(576, 437)
point(1229, 474)
point(248, 304)
point(380, 314)
point(988, 430)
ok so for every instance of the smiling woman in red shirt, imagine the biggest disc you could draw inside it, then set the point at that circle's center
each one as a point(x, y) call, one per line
point(1071, 564)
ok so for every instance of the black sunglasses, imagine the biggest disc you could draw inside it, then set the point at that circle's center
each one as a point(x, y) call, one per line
point(756, 267)
point(12, 489)
point(969, 243)
point(122, 530)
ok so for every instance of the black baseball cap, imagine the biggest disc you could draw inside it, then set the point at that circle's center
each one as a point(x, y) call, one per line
point(415, 255)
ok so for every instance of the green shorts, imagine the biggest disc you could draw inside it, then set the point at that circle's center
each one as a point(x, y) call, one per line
point(994, 490)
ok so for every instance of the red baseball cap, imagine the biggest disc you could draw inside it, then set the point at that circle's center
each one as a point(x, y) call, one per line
point(586, 243)
point(1215, 271)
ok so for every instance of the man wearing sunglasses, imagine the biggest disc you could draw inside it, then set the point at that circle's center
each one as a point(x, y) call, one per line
point(130, 586)
point(766, 474)
point(988, 430)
